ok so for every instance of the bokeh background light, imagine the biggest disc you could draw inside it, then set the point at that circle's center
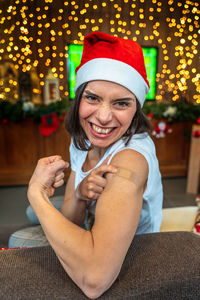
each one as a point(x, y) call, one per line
point(36, 34)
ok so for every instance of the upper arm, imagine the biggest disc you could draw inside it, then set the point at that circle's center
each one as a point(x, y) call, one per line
point(118, 210)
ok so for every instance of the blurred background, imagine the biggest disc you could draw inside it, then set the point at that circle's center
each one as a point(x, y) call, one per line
point(40, 47)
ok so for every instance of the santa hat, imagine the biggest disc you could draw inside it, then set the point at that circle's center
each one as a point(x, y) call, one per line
point(113, 59)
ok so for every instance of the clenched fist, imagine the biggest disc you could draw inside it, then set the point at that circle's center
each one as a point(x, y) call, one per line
point(48, 175)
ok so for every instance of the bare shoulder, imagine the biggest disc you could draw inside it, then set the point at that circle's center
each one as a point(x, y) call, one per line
point(131, 165)
point(128, 158)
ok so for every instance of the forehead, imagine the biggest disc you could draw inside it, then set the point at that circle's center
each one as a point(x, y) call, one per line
point(102, 87)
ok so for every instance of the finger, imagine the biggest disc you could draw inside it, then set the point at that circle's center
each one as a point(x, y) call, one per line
point(50, 159)
point(58, 183)
point(59, 165)
point(59, 176)
point(93, 196)
point(105, 169)
point(97, 180)
point(95, 188)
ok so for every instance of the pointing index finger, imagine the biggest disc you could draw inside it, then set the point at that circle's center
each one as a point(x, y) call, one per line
point(105, 169)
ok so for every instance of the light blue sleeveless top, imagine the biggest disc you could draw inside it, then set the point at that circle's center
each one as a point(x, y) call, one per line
point(151, 215)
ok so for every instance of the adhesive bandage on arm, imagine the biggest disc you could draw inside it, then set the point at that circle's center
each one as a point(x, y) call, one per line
point(126, 173)
point(131, 176)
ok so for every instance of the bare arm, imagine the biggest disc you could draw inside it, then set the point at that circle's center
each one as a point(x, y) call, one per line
point(75, 202)
point(93, 259)
point(73, 207)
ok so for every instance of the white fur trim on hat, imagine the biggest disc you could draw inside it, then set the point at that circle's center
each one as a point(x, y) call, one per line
point(114, 71)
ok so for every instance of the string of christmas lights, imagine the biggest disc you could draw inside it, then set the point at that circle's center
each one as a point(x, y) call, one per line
point(35, 34)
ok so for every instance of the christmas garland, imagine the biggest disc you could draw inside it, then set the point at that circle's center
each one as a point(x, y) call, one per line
point(20, 110)
point(172, 112)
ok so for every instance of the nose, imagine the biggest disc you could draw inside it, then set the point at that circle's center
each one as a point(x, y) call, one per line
point(104, 114)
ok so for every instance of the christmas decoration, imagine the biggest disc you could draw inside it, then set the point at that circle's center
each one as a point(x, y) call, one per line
point(33, 35)
point(51, 88)
point(49, 124)
point(28, 106)
point(196, 133)
point(161, 130)
point(18, 111)
point(181, 111)
point(35, 85)
point(8, 80)
point(102, 59)
point(170, 112)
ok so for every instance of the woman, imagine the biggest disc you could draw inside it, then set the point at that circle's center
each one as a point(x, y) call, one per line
point(115, 175)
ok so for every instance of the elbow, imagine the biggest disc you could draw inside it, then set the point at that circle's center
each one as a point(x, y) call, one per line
point(94, 286)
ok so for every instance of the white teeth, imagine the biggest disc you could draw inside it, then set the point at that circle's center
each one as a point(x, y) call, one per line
point(101, 130)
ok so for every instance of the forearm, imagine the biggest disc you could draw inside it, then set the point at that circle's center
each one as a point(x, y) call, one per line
point(74, 209)
point(64, 237)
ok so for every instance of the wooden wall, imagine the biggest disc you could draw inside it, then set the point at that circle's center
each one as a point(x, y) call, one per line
point(22, 145)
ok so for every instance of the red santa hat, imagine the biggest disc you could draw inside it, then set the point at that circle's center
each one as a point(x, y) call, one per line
point(113, 59)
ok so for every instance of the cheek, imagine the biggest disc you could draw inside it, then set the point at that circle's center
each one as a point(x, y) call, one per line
point(126, 118)
point(84, 110)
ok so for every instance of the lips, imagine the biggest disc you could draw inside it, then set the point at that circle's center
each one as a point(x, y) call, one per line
point(101, 131)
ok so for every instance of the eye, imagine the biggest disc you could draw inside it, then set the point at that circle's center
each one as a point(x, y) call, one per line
point(121, 104)
point(91, 98)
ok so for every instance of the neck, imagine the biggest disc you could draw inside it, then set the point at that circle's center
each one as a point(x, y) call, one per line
point(97, 153)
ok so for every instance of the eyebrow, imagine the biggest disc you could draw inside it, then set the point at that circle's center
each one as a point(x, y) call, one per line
point(92, 94)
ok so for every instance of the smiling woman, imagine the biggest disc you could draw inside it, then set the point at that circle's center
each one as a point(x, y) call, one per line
point(114, 190)
point(106, 111)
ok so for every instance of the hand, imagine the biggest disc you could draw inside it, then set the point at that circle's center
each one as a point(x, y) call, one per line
point(93, 185)
point(48, 175)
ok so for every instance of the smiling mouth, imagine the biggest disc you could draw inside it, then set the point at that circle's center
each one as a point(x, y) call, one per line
point(101, 130)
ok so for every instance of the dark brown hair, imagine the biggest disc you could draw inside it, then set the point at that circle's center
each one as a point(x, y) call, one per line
point(139, 124)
